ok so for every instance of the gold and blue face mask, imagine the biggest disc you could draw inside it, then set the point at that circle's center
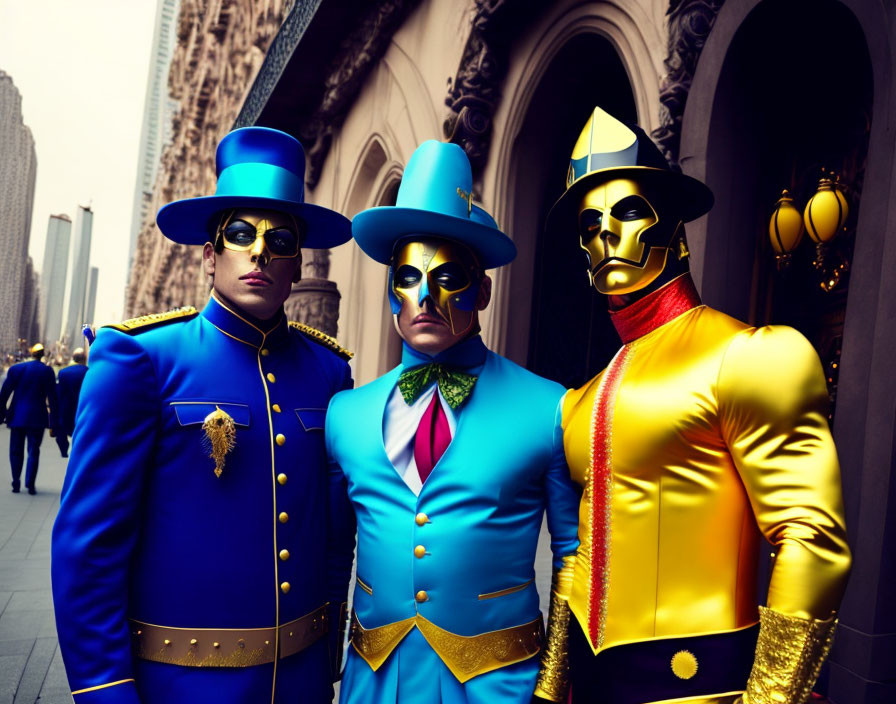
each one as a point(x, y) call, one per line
point(625, 236)
point(445, 272)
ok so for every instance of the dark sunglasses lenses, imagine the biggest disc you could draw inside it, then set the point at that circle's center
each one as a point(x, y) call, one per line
point(281, 241)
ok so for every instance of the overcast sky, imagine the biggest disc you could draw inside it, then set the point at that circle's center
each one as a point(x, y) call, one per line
point(81, 68)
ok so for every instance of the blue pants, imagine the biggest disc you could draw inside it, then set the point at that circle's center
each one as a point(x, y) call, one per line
point(17, 454)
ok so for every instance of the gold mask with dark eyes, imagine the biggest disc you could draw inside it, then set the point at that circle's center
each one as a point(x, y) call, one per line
point(443, 271)
point(625, 236)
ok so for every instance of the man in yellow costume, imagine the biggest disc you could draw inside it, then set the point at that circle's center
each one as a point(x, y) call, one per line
point(702, 435)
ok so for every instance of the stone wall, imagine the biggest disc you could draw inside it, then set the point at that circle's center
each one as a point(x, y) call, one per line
point(220, 46)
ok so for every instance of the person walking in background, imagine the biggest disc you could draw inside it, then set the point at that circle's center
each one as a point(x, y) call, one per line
point(32, 385)
point(69, 382)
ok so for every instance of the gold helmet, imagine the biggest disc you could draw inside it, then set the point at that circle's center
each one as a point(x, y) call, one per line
point(625, 203)
point(37, 351)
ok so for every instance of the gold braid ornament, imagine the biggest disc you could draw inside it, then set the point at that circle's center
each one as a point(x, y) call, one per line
point(553, 677)
point(220, 437)
point(789, 655)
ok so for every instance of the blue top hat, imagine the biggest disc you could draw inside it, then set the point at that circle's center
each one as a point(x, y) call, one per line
point(434, 199)
point(257, 167)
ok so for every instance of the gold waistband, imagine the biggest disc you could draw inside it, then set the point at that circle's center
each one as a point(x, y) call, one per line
point(225, 647)
point(465, 656)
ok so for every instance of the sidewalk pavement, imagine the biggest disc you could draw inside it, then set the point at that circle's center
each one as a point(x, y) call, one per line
point(31, 668)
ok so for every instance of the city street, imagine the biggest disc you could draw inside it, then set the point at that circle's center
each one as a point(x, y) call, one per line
point(31, 667)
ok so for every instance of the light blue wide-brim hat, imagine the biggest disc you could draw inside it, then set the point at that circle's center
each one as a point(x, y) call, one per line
point(434, 199)
point(257, 167)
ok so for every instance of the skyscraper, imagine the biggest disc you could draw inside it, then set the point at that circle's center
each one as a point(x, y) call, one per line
point(29, 329)
point(157, 113)
point(18, 169)
point(77, 297)
point(90, 306)
point(53, 277)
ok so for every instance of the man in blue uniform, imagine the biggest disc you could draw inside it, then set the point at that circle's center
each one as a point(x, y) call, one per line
point(68, 386)
point(33, 388)
point(449, 462)
point(189, 553)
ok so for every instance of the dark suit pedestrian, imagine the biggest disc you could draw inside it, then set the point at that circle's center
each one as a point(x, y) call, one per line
point(68, 387)
point(33, 388)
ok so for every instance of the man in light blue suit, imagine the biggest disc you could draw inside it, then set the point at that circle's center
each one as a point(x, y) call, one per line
point(448, 463)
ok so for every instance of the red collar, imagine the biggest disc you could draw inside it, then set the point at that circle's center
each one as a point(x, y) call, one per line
point(655, 309)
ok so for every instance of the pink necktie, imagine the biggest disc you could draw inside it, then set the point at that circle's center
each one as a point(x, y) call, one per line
point(433, 437)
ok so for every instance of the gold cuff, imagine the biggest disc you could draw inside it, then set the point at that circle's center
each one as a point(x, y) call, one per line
point(553, 677)
point(789, 655)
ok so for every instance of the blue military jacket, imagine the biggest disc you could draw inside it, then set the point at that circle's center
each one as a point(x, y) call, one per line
point(68, 384)
point(33, 386)
point(484, 500)
point(147, 531)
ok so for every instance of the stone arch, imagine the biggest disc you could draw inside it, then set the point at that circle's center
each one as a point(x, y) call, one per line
point(863, 427)
point(626, 63)
point(367, 325)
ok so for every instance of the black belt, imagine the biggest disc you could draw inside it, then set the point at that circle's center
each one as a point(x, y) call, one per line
point(660, 669)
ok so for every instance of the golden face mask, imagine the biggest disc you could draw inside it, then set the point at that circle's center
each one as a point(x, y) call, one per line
point(626, 238)
point(443, 271)
point(265, 234)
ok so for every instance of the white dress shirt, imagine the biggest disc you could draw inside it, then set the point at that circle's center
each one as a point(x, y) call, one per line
point(400, 424)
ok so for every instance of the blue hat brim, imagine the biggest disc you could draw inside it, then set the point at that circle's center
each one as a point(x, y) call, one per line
point(378, 230)
point(191, 221)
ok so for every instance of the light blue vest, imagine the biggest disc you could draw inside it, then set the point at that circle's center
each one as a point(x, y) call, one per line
point(484, 502)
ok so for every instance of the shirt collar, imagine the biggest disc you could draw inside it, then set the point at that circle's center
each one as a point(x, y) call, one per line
point(237, 326)
point(655, 309)
point(469, 353)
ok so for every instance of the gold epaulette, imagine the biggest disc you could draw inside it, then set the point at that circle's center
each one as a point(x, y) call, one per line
point(146, 322)
point(321, 338)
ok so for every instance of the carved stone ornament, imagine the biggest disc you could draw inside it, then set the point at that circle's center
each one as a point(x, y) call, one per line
point(690, 22)
point(358, 53)
point(314, 302)
point(475, 92)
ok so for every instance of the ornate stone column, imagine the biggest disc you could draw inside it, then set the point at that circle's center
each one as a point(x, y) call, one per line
point(315, 300)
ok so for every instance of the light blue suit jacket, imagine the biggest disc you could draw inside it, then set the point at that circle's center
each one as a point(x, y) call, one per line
point(484, 499)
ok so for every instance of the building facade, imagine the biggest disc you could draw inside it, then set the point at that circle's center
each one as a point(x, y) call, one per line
point(80, 268)
point(158, 113)
point(29, 318)
point(220, 46)
point(90, 301)
point(18, 171)
point(53, 277)
point(750, 96)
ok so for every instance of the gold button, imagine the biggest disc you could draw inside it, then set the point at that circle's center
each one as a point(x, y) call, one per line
point(193, 641)
point(167, 642)
point(422, 519)
point(271, 378)
point(284, 517)
point(216, 644)
point(285, 587)
point(281, 438)
point(276, 408)
point(419, 551)
point(684, 664)
point(284, 555)
point(281, 478)
point(265, 352)
point(421, 596)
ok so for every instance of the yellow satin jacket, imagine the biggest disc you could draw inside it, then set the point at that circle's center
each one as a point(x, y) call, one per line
point(700, 435)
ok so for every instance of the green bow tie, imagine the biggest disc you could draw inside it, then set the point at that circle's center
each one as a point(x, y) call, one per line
point(456, 386)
